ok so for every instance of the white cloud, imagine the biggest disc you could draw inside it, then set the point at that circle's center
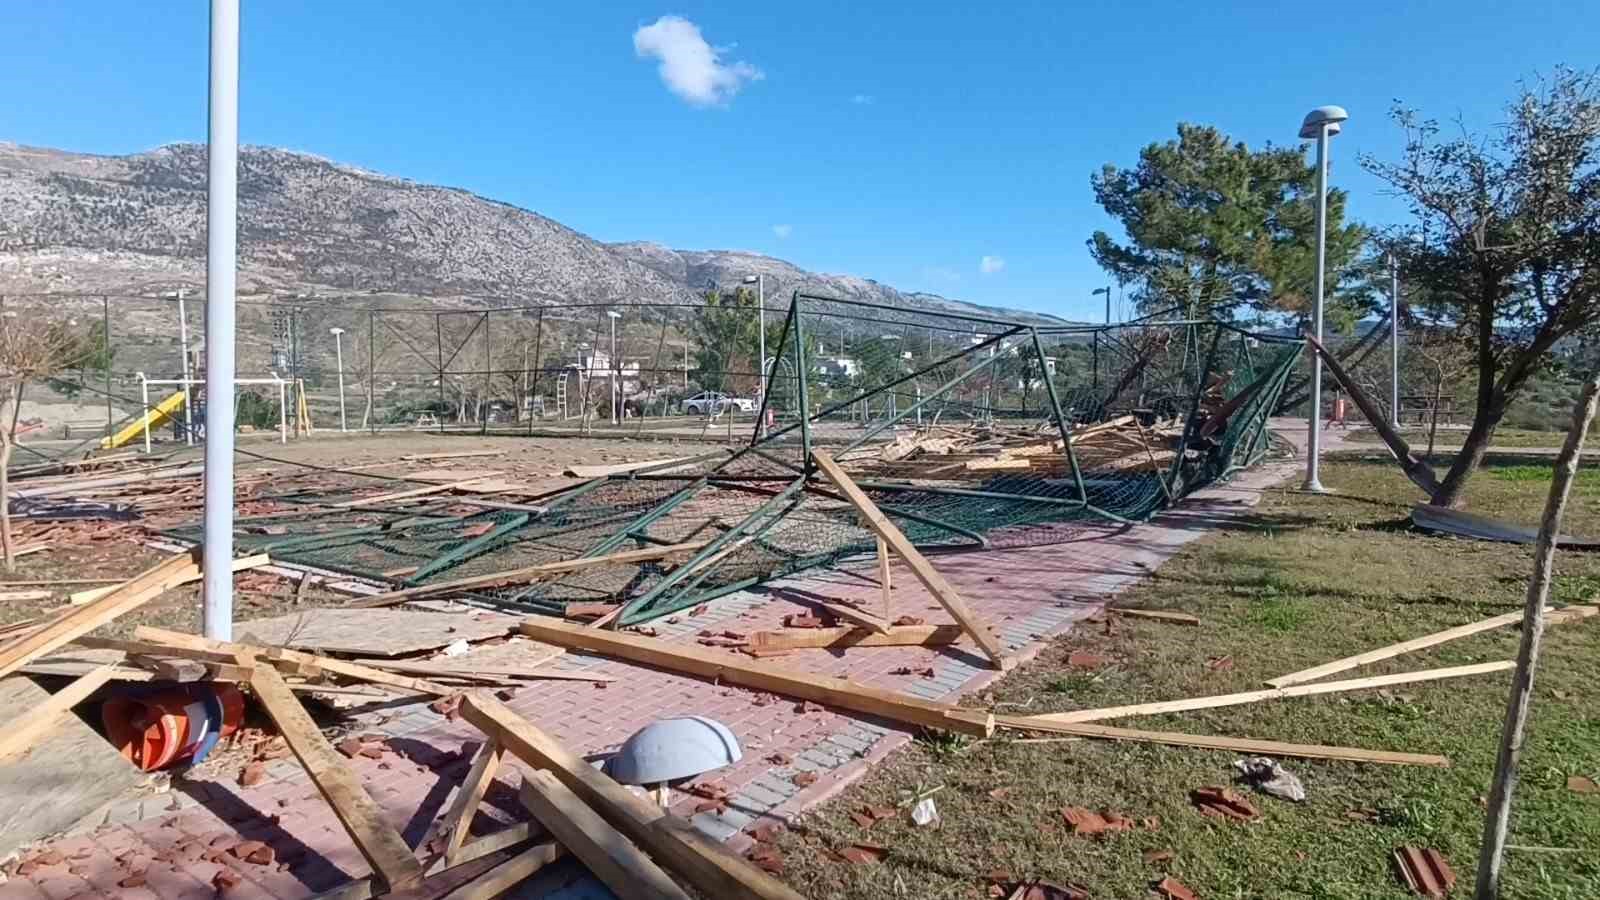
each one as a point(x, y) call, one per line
point(862, 99)
point(782, 231)
point(991, 264)
point(690, 67)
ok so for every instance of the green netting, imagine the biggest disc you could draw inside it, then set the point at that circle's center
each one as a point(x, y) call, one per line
point(1179, 405)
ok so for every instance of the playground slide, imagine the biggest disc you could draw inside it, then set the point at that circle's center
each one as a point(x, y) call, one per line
point(155, 417)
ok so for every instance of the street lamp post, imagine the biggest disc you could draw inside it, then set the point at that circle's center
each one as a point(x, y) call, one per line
point(1107, 291)
point(1394, 340)
point(760, 282)
point(616, 366)
point(338, 355)
point(1320, 124)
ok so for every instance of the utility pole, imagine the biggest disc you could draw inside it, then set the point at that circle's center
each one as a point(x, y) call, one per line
point(616, 364)
point(222, 256)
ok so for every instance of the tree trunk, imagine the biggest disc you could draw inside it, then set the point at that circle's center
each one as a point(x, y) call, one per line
point(1498, 821)
point(1433, 420)
point(1470, 457)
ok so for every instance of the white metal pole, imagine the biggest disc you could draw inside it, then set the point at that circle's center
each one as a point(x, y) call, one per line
point(761, 325)
point(338, 353)
point(188, 396)
point(283, 411)
point(1394, 341)
point(144, 408)
point(616, 369)
point(222, 196)
point(1314, 419)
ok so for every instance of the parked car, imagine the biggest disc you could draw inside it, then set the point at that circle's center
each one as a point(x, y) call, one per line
point(709, 403)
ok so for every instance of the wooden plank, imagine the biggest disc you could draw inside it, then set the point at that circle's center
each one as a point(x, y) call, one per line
point(1393, 650)
point(884, 582)
point(1158, 615)
point(839, 638)
point(925, 572)
point(612, 858)
point(623, 468)
point(1212, 742)
point(509, 874)
point(468, 796)
point(479, 857)
point(669, 840)
point(410, 494)
point(527, 573)
point(730, 669)
point(21, 596)
point(1304, 690)
point(239, 565)
point(70, 774)
point(859, 616)
point(191, 645)
point(21, 734)
point(80, 621)
point(360, 815)
point(470, 672)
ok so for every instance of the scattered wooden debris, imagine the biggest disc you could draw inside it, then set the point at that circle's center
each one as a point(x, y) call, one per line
point(706, 664)
point(1303, 690)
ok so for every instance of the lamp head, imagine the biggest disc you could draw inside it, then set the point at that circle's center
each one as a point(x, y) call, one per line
point(751, 279)
point(1329, 116)
point(336, 331)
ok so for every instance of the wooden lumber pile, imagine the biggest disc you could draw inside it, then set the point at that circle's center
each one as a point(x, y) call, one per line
point(978, 452)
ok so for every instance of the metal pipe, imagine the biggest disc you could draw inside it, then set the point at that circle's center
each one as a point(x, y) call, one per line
point(188, 398)
point(222, 224)
point(338, 355)
point(1061, 415)
point(144, 409)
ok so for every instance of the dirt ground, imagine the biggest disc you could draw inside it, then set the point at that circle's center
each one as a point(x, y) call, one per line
point(117, 551)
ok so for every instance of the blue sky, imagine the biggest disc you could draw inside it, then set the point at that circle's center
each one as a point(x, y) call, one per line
point(900, 142)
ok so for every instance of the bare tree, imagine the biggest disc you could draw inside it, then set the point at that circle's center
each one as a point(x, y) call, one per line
point(32, 346)
point(1507, 249)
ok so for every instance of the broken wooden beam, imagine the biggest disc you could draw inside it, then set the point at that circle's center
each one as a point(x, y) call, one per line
point(1243, 697)
point(360, 815)
point(1156, 615)
point(76, 622)
point(239, 565)
point(839, 638)
point(936, 584)
point(458, 823)
point(730, 669)
point(1393, 650)
point(22, 734)
point(526, 573)
point(178, 644)
point(669, 840)
point(609, 855)
point(1215, 742)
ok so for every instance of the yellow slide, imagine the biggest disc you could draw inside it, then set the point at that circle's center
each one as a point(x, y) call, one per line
point(157, 416)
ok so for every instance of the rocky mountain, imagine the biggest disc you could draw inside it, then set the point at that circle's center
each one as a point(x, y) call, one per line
point(135, 224)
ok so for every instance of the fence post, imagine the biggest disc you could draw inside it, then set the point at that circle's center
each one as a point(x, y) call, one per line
point(372, 389)
point(538, 346)
point(438, 340)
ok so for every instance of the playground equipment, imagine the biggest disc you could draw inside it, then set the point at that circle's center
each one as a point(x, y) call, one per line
point(163, 412)
point(157, 416)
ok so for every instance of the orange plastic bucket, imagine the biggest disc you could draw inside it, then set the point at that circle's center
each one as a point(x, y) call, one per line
point(158, 729)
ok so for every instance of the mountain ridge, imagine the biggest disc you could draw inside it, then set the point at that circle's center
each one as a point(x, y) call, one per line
point(135, 223)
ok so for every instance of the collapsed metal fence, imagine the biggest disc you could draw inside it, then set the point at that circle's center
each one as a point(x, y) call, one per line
point(1188, 401)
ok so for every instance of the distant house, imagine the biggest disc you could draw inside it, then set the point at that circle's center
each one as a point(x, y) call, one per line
point(597, 364)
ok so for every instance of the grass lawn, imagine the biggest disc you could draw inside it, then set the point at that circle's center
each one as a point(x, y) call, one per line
point(1310, 580)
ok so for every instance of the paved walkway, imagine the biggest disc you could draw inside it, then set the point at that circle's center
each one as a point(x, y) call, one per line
point(157, 848)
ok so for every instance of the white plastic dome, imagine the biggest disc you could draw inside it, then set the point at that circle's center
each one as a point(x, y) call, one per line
point(670, 749)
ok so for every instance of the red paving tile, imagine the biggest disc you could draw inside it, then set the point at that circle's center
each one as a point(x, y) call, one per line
point(1072, 576)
